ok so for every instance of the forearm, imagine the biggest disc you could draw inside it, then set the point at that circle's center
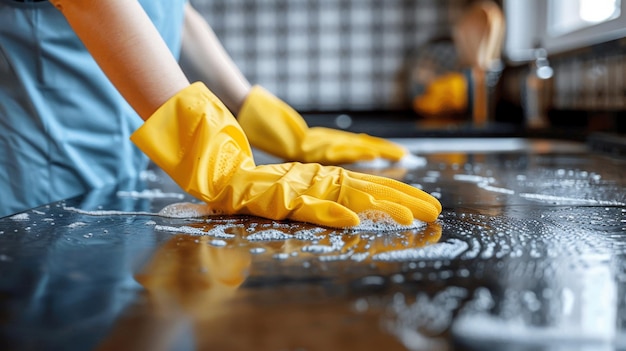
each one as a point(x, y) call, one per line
point(128, 48)
point(203, 56)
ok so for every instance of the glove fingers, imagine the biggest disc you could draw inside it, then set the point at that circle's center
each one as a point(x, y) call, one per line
point(364, 202)
point(423, 205)
point(348, 153)
point(419, 209)
point(323, 212)
point(338, 146)
point(334, 147)
point(397, 185)
point(386, 149)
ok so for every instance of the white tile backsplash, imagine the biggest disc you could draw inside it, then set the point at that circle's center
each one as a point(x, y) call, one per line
point(327, 54)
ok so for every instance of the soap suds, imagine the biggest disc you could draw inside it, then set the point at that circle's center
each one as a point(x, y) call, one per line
point(570, 200)
point(484, 183)
point(218, 231)
point(471, 178)
point(257, 250)
point(332, 258)
point(379, 221)
point(318, 249)
point(269, 235)
point(20, 217)
point(150, 194)
point(485, 327)
point(148, 175)
point(495, 189)
point(409, 161)
point(445, 250)
point(217, 243)
point(107, 212)
point(186, 210)
point(281, 256)
point(309, 234)
point(377, 163)
point(359, 257)
point(76, 225)
point(176, 210)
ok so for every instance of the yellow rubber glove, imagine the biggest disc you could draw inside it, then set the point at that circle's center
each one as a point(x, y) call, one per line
point(274, 127)
point(196, 140)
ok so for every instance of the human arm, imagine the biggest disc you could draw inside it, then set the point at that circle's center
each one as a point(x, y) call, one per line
point(128, 49)
point(203, 57)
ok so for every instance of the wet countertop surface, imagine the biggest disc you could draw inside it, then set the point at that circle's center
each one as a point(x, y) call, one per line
point(528, 254)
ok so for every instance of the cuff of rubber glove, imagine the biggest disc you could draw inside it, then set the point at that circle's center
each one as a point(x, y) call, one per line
point(260, 103)
point(257, 97)
point(168, 133)
point(254, 98)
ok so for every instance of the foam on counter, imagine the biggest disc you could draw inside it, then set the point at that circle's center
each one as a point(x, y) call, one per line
point(219, 231)
point(107, 212)
point(269, 235)
point(187, 210)
point(149, 194)
point(409, 161)
point(318, 249)
point(20, 217)
point(76, 225)
point(486, 327)
point(176, 210)
point(570, 200)
point(444, 250)
point(369, 220)
point(217, 243)
point(309, 234)
point(378, 221)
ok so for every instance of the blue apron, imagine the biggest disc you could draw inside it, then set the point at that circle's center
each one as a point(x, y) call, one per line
point(64, 128)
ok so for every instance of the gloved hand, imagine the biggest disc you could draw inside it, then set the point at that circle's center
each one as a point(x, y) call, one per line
point(274, 127)
point(196, 140)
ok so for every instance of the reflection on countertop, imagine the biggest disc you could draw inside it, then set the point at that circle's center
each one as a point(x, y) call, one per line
point(528, 254)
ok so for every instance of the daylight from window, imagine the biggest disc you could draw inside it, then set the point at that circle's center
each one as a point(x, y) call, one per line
point(569, 15)
point(596, 11)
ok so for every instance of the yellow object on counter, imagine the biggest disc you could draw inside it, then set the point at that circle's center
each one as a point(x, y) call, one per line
point(276, 128)
point(444, 95)
point(196, 140)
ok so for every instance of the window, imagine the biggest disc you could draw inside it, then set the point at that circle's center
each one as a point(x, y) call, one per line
point(561, 25)
point(566, 16)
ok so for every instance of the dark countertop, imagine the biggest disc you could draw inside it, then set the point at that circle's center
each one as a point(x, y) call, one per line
point(528, 254)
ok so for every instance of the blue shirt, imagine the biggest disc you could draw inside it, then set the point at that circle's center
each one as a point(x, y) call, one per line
point(64, 128)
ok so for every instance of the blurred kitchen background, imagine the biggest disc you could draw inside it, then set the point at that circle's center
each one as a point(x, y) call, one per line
point(559, 68)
